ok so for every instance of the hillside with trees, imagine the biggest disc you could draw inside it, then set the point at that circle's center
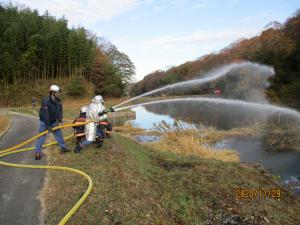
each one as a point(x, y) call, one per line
point(278, 46)
point(36, 50)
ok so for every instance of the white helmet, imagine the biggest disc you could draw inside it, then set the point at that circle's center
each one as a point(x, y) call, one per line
point(98, 99)
point(84, 109)
point(54, 88)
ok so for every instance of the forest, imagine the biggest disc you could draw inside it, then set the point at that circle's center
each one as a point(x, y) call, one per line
point(39, 49)
point(278, 45)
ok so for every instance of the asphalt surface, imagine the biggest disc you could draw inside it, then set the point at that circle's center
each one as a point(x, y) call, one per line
point(20, 188)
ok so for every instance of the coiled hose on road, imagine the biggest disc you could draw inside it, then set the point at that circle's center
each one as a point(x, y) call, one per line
point(15, 149)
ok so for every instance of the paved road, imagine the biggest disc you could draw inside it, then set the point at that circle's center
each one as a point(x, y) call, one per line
point(19, 188)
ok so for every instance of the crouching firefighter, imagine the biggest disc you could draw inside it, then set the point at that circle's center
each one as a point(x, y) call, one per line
point(94, 108)
point(95, 112)
point(104, 128)
point(79, 131)
point(104, 123)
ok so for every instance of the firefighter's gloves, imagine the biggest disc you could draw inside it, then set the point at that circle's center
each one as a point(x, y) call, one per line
point(111, 109)
point(102, 113)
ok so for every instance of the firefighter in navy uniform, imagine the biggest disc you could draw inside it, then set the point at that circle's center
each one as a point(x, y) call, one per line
point(79, 131)
point(51, 115)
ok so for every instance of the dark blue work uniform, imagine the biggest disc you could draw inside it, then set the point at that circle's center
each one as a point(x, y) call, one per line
point(51, 115)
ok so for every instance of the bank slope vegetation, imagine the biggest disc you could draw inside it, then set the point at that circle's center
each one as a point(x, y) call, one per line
point(278, 46)
point(38, 49)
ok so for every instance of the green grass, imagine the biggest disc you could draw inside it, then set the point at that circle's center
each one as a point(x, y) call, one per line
point(134, 184)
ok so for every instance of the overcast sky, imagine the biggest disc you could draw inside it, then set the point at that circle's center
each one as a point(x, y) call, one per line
point(157, 34)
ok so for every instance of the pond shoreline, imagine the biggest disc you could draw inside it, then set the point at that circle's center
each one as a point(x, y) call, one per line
point(248, 142)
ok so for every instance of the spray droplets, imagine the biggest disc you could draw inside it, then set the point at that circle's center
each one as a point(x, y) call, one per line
point(257, 106)
point(264, 73)
point(208, 77)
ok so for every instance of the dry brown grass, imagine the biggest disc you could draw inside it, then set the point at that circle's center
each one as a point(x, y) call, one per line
point(193, 142)
point(72, 107)
point(86, 100)
point(213, 135)
point(187, 141)
point(128, 130)
point(76, 102)
point(135, 185)
point(4, 122)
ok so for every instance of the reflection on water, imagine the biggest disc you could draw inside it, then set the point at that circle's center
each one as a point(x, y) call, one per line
point(146, 120)
point(284, 163)
point(147, 138)
point(221, 116)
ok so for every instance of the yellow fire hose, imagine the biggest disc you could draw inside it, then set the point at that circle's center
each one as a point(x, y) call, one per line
point(13, 150)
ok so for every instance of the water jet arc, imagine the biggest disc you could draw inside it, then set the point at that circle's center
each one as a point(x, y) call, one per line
point(233, 102)
point(207, 77)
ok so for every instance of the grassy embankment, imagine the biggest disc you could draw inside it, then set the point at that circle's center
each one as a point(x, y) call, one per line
point(176, 181)
point(148, 184)
point(4, 122)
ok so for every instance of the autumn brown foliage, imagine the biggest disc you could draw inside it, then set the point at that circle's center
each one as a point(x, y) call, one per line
point(277, 46)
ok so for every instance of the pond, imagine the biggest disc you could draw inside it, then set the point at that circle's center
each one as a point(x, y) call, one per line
point(285, 164)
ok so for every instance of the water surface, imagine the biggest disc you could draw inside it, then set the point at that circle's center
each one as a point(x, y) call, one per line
point(285, 164)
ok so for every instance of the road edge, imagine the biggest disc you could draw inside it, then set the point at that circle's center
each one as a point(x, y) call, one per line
point(39, 195)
